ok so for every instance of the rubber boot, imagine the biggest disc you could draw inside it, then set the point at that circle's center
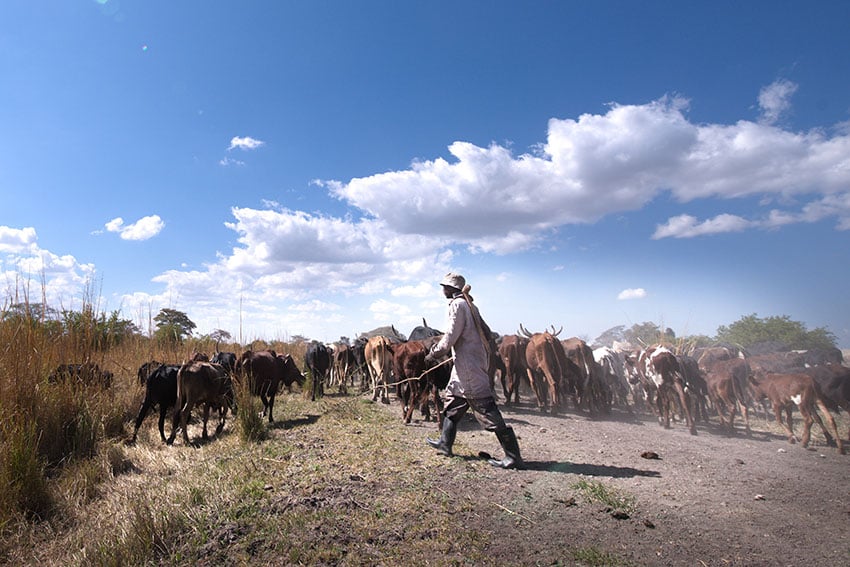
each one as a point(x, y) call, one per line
point(447, 438)
point(512, 459)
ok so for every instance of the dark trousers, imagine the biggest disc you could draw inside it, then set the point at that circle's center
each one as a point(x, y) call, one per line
point(485, 411)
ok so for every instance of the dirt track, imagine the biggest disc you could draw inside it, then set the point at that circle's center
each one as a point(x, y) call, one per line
point(710, 499)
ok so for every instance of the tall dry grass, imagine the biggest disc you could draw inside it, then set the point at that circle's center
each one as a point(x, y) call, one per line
point(58, 441)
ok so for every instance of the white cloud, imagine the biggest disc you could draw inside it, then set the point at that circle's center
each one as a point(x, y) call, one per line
point(27, 270)
point(632, 293)
point(491, 201)
point(420, 290)
point(598, 165)
point(226, 161)
point(774, 100)
point(17, 240)
point(244, 143)
point(142, 229)
point(686, 226)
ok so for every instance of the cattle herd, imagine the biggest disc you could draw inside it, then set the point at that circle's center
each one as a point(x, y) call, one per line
point(718, 382)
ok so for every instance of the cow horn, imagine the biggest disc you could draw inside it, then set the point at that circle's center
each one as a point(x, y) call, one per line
point(555, 334)
point(524, 332)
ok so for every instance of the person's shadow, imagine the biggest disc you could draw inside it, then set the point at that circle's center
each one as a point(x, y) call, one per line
point(573, 468)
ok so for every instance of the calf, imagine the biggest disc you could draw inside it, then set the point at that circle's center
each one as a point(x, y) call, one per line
point(784, 390)
point(728, 388)
point(201, 383)
point(411, 380)
point(161, 390)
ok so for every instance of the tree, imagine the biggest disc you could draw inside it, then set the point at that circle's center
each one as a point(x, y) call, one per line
point(220, 335)
point(648, 333)
point(614, 334)
point(750, 330)
point(172, 326)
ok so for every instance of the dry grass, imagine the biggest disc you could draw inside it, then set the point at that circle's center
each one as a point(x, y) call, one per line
point(333, 484)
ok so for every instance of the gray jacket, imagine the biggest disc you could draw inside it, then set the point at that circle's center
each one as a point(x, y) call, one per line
point(469, 376)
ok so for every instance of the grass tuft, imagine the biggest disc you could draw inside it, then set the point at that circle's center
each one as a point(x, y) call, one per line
point(598, 492)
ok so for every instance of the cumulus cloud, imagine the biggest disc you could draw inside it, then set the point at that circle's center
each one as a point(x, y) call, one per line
point(602, 164)
point(244, 143)
point(404, 226)
point(31, 269)
point(142, 229)
point(632, 293)
point(17, 240)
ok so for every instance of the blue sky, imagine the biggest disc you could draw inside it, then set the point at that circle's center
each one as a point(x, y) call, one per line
point(276, 168)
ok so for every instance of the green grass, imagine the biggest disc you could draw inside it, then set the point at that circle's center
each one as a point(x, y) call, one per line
point(613, 499)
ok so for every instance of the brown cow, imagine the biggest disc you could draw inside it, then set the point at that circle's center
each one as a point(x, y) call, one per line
point(412, 385)
point(201, 383)
point(592, 389)
point(343, 367)
point(659, 366)
point(512, 350)
point(265, 371)
point(547, 362)
point(727, 381)
point(379, 361)
point(784, 390)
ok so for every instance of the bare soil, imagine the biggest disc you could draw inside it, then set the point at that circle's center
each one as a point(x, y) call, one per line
point(713, 499)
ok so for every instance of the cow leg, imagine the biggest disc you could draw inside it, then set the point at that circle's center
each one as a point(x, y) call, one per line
point(745, 413)
point(204, 435)
point(409, 400)
point(175, 422)
point(830, 441)
point(265, 400)
point(163, 409)
point(662, 408)
point(222, 416)
point(777, 412)
point(686, 408)
point(831, 422)
point(438, 405)
point(184, 418)
point(271, 406)
point(807, 425)
point(143, 412)
point(535, 387)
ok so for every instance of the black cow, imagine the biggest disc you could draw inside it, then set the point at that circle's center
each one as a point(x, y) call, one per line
point(695, 387)
point(358, 350)
point(161, 390)
point(423, 332)
point(201, 383)
point(145, 370)
point(264, 372)
point(318, 361)
point(226, 359)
